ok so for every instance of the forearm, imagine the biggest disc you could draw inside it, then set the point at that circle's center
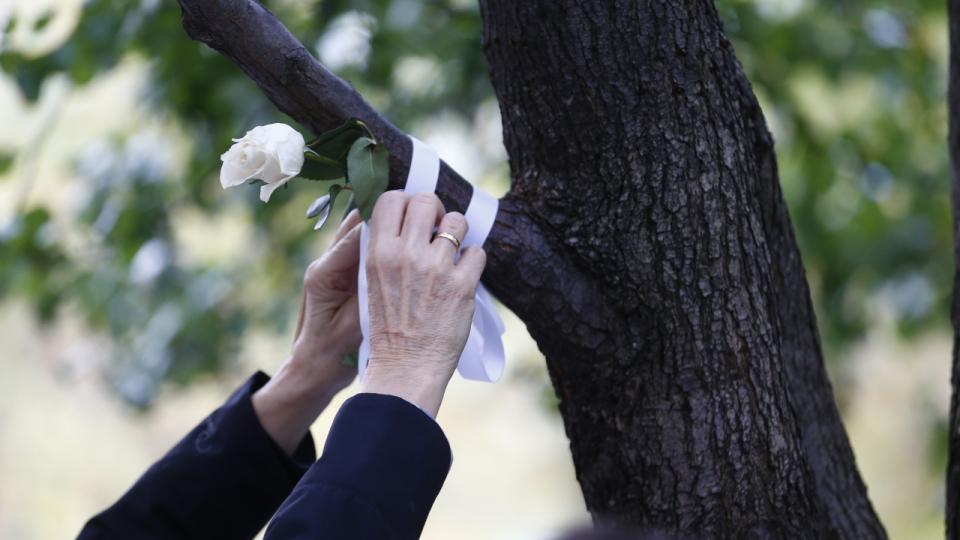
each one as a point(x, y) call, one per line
point(293, 399)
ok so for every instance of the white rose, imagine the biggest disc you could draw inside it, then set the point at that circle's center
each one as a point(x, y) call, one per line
point(272, 153)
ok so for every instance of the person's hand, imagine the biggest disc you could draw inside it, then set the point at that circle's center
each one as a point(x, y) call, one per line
point(327, 331)
point(421, 301)
point(329, 326)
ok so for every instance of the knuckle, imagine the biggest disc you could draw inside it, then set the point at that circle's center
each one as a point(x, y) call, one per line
point(416, 261)
point(380, 255)
point(388, 198)
point(395, 250)
point(421, 266)
point(390, 262)
point(425, 198)
point(456, 220)
point(478, 257)
point(391, 196)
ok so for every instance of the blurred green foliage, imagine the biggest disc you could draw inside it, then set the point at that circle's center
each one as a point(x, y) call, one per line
point(854, 93)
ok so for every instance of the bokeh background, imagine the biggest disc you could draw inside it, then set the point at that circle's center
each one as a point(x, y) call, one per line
point(135, 293)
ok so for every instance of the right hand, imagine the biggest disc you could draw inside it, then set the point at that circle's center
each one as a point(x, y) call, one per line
point(420, 302)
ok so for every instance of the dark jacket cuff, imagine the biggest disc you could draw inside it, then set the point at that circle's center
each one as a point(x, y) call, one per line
point(388, 452)
point(244, 417)
point(223, 480)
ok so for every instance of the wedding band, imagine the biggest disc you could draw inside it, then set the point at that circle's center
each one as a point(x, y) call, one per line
point(450, 237)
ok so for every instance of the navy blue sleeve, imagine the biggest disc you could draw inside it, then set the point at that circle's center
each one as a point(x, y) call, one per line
point(223, 480)
point(382, 467)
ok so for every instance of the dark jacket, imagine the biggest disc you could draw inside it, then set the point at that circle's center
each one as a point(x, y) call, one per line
point(382, 466)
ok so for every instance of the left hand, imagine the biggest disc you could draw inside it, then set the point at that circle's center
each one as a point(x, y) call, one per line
point(329, 326)
point(328, 330)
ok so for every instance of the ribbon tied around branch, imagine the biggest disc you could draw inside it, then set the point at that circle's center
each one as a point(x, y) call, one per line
point(483, 356)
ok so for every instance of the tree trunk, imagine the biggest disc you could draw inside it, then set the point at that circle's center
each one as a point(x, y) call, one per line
point(646, 245)
point(699, 400)
point(953, 463)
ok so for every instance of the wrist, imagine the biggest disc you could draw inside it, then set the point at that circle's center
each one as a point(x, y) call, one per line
point(291, 401)
point(289, 404)
point(424, 389)
point(303, 384)
point(316, 368)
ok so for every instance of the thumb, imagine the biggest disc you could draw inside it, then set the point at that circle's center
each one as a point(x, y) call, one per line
point(334, 274)
point(344, 254)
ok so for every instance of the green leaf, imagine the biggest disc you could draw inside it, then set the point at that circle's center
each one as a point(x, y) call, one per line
point(351, 204)
point(333, 192)
point(362, 175)
point(336, 143)
point(317, 167)
point(381, 168)
point(368, 173)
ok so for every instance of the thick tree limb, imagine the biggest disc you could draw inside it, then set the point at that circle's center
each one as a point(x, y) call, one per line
point(260, 45)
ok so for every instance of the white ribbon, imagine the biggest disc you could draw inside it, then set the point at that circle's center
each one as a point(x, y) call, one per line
point(482, 358)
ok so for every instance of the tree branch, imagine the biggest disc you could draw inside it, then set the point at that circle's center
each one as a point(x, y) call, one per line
point(259, 44)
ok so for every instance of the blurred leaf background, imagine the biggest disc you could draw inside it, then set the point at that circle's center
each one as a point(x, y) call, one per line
point(854, 93)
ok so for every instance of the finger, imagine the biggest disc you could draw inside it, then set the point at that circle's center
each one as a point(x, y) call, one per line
point(452, 223)
point(345, 254)
point(334, 274)
point(423, 213)
point(387, 217)
point(349, 222)
point(471, 264)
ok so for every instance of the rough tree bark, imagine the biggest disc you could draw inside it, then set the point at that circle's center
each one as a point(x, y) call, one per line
point(647, 247)
point(953, 463)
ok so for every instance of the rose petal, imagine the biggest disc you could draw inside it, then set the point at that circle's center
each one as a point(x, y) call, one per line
point(251, 159)
point(290, 155)
point(267, 190)
point(256, 134)
point(231, 175)
point(269, 172)
point(275, 132)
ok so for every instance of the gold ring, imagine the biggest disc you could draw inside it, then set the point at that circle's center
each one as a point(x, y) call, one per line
point(450, 237)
